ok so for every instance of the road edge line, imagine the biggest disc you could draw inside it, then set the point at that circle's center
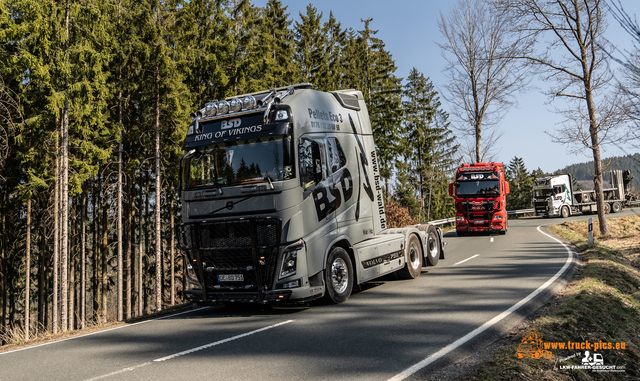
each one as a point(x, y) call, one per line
point(456, 344)
point(102, 331)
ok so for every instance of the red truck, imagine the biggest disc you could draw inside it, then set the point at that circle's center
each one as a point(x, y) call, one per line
point(480, 192)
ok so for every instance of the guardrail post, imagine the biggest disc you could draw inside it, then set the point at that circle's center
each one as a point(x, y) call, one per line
point(590, 232)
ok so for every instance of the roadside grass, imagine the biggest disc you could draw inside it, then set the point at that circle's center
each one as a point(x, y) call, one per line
point(601, 304)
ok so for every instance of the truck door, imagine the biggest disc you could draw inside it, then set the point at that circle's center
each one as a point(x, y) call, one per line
point(319, 199)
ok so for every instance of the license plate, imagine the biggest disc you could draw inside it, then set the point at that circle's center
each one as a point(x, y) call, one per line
point(478, 222)
point(230, 278)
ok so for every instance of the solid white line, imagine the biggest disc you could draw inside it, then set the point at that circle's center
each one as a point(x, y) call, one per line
point(444, 351)
point(103, 331)
point(220, 342)
point(119, 371)
point(463, 261)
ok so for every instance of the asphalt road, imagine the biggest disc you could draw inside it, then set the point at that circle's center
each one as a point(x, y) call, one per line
point(391, 329)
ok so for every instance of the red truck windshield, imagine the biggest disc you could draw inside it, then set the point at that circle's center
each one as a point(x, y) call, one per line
point(478, 187)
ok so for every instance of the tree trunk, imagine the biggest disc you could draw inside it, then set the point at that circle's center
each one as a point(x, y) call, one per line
point(172, 250)
point(64, 197)
point(158, 208)
point(27, 286)
point(478, 142)
point(119, 217)
point(42, 269)
point(104, 256)
point(56, 235)
point(129, 239)
point(72, 273)
point(83, 262)
point(3, 268)
point(96, 253)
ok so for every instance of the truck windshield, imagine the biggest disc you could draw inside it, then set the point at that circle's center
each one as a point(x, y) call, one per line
point(542, 193)
point(236, 163)
point(478, 187)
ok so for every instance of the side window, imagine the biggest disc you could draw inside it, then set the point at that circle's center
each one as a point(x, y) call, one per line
point(337, 159)
point(311, 163)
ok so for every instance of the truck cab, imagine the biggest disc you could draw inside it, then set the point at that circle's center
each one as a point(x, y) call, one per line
point(282, 200)
point(480, 191)
point(553, 196)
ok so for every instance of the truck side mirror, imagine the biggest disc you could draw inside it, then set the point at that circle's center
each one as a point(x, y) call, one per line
point(451, 189)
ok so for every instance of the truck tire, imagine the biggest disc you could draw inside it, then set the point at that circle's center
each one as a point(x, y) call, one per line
point(585, 197)
point(413, 267)
point(433, 246)
point(338, 276)
point(564, 212)
point(616, 207)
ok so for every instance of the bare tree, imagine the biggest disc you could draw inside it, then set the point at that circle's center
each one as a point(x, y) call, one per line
point(573, 57)
point(630, 62)
point(484, 76)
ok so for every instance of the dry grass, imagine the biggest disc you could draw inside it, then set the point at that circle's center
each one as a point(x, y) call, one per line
point(602, 304)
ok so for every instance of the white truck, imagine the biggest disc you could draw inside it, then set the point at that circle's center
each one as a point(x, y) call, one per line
point(554, 195)
point(282, 201)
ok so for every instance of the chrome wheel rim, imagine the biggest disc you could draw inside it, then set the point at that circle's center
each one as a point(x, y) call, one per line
point(339, 275)
point(433, 245)
point(414, 256)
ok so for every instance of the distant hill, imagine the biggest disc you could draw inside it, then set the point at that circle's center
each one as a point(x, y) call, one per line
point(583, 172)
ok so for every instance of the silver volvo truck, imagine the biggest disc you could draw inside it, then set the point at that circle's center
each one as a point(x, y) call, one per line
point(282, 201)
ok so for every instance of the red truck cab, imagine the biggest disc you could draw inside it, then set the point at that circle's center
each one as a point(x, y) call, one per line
point(480, 192)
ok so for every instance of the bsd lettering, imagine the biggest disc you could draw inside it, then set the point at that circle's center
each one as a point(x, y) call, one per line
point(230, 123)
point(320, 194)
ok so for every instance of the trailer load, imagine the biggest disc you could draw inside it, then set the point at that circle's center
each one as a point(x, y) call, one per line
point(282, 201)
point(555, 196)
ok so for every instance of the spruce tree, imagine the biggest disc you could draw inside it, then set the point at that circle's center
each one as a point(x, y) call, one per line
point(520, 185)
point(311, 43)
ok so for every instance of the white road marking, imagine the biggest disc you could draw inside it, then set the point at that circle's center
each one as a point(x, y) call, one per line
point(103, 331)
point(491, 239)
point(220, 342)
point(463, 261)
point(444, 351)
point(134, 367)
point(119, 371)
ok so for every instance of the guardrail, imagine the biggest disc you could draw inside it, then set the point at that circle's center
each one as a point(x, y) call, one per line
point(509, 212)
point(453, 219)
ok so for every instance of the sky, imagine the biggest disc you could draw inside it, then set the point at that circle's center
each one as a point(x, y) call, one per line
point(410, 31)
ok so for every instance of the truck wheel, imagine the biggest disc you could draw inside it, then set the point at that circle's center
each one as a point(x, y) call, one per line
point(413, 267)
point(564, 211)
point(433, 246)
point(338, 276)
point(616, 207)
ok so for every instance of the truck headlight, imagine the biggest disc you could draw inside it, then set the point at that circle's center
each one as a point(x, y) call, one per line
point(497, 218)
point(460, 219)
point(290, 259)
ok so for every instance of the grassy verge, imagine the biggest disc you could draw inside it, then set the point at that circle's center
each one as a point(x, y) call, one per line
point(601, 305)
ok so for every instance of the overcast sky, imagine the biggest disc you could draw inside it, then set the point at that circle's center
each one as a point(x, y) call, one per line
point(410, 32)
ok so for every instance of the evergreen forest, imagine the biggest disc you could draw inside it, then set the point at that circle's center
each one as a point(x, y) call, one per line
point(95, 97)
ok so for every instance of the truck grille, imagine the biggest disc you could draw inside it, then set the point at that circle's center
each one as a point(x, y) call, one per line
point(243, 251)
